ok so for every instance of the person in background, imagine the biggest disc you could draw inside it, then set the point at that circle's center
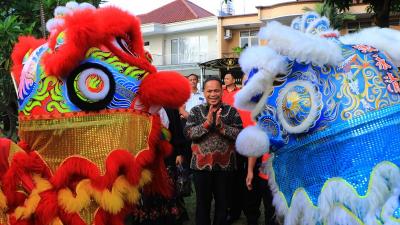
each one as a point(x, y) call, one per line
point(155, 209)
point(258, 190)
point(213, 128)
point(229, 88)
point(196, 97)
point(237, 192)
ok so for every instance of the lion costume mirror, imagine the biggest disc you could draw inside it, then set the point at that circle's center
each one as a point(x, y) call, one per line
point(91, 137)
point(327, 109)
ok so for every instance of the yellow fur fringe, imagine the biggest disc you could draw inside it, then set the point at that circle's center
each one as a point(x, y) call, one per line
point(32, 201)
point(111, 201)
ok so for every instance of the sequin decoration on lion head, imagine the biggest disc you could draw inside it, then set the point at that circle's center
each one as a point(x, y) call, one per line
point(91, 137)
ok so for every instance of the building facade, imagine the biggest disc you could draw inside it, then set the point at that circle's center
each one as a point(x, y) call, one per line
point(241, 30)
point(180, 35)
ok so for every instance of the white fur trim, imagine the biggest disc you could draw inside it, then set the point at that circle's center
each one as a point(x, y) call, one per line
point(61, 11)
point(384, 39)
point(268, 63)
point(85, 5)
point(261, 104)
point(262, 57)
point(72, 5)
point(382, 195)
point(252, 141)
point(53, 23)
point(339, 215)
point(256, 85)
point(300, 46)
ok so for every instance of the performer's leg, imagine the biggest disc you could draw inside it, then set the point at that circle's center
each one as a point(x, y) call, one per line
point(269, 209)
point(252, 202)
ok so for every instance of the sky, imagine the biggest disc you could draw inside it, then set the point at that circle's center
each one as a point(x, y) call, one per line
point(138, 7)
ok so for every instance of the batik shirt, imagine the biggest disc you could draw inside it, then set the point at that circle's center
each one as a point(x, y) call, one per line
point(213, 148)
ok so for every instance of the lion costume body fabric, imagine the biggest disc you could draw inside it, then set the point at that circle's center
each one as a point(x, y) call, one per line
point(327, 108)
point(91, 138)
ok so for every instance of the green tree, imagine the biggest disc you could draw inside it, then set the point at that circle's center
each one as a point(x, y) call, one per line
point(10, 28)
point(381, 9)
point(19, 17)
point(336, 17)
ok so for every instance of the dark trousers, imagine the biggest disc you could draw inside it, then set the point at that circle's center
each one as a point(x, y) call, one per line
point(236, 194)
point(208, 184)
point(261, 191)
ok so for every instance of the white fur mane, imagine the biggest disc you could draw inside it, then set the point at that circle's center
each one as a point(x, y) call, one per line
point(300, 46)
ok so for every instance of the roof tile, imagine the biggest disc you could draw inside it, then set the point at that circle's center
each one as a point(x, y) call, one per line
point(176, 11)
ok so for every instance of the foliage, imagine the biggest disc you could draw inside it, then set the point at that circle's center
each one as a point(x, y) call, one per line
point(19, 17)
point(336, 17)
point(381, 9)
point(238, 50)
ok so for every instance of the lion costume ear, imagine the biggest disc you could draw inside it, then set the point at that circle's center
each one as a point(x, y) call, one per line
point(21, 51)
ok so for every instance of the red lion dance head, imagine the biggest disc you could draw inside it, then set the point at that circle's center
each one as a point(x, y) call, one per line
point(91, 138)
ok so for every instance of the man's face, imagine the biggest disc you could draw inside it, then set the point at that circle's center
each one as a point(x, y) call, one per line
point(213, 92)
point(193, 81)
point(228, 79)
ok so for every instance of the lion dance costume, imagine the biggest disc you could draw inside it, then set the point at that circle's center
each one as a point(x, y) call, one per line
point(91, 138)
point(327, 108)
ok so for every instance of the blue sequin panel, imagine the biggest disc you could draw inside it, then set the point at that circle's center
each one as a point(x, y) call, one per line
point(396, 213)
point(348, 150)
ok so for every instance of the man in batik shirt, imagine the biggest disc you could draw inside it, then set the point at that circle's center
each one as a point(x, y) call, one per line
point(213, 128)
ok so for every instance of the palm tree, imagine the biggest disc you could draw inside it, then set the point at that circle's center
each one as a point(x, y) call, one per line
point(336, 17)
point(42, 18)
point(10, 28)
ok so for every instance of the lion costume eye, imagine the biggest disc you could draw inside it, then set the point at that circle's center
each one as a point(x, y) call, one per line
point(91, 86)
point(122, 44)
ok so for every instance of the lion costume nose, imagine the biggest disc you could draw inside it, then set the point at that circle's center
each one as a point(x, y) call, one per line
point(165, 88)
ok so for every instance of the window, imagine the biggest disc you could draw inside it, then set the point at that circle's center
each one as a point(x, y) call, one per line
point(174, 51)
point(191, 49)
point(147, 46)
point(248, 38)
point(394, 22)
point(356, 26)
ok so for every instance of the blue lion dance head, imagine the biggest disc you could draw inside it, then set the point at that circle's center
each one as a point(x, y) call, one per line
point(327, 109)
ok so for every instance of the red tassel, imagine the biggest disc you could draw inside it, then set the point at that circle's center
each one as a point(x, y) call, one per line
point(25, 146)
point(14, 221)
point(47, 209)
point(74, 169)
point(100, 217)
point(147, 157)
point(4, 154)
point(118, 162)
point(70, 218)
